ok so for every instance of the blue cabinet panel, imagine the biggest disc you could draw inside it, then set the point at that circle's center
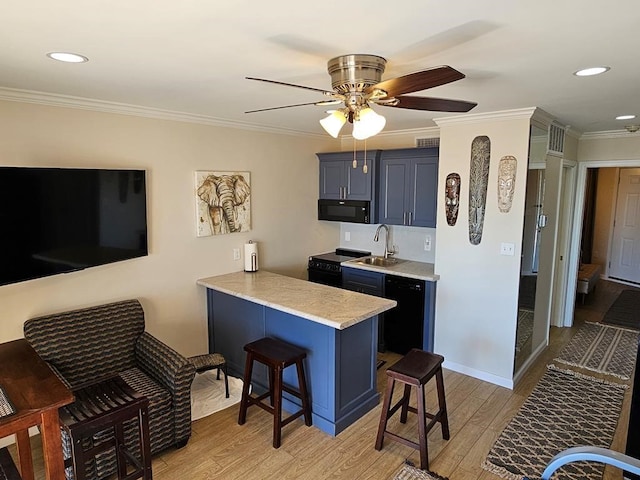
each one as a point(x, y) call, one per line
point(408, 187)
point(429, 316)
point(340, 366)
point(319, 342)
point(332, 179)
point(356, 349)
point(229, 330)
point(393, 191)
point(423, 201)
point(339, 180)
point(363, 281)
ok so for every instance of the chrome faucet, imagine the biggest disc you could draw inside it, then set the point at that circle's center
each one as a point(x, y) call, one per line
point(387, 251)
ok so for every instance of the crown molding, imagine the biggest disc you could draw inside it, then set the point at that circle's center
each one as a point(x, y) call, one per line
point(68, 101)
point(608, 134)
point(422, 132)
point(519, 113)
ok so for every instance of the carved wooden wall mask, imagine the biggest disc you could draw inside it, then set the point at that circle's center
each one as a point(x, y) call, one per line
point(506, 182)
point(452, 197)
point(478, 182)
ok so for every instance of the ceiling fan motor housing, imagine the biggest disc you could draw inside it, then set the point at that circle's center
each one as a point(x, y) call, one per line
point(353, 73)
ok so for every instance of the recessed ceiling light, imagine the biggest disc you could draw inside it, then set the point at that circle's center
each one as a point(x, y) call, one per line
point(67, 57)
point(625, 117)
point(587, 72)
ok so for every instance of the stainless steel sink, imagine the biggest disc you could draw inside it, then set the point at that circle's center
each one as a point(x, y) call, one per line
point(379, 261)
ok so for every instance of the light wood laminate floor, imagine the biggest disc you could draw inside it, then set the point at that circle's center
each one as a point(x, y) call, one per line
point(478, 411)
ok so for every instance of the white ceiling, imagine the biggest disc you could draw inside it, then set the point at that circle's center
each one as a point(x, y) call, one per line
point(191, 56)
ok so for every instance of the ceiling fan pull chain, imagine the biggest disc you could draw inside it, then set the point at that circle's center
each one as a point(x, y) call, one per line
point(355, 162)
point(364, 167)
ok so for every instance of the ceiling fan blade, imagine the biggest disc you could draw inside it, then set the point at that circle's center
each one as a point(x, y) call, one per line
point(321, 103)
point(324, 92)
point(414, 82)
point(432, 104)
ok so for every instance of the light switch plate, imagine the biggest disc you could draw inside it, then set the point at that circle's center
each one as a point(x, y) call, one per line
point(347, 236)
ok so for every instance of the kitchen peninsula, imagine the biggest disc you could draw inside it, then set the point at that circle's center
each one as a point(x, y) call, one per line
point(338, 329)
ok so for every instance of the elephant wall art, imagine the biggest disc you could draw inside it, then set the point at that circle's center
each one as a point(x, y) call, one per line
point(223, 202)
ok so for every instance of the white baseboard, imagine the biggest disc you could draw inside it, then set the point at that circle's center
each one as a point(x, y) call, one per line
point(480, 375)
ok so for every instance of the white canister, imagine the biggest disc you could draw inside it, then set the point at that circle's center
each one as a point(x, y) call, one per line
point(251, 256)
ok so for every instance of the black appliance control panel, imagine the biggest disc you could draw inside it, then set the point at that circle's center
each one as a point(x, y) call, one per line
point(323, 265)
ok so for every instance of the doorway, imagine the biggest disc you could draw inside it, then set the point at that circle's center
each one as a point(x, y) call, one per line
point(576, 233)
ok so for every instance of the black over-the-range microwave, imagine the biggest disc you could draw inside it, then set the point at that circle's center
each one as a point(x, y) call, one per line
point(353, 211)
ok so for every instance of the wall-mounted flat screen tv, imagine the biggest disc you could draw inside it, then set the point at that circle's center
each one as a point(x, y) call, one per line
point(58, 220)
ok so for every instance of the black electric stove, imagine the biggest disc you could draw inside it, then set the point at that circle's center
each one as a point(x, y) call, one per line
point(325, 268)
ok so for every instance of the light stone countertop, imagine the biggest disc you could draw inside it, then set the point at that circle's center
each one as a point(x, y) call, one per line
point(405, 268)
point(334, 307)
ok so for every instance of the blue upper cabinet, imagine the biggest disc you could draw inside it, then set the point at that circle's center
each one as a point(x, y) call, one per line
point(340, 181)
point(408, 187)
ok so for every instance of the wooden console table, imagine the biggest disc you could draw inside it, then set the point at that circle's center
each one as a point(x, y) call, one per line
point(36, 393)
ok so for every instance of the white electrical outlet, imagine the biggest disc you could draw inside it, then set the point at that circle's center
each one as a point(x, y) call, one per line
point(507, 249)
point(236, 254)
point(347, 236)
point(427, 243)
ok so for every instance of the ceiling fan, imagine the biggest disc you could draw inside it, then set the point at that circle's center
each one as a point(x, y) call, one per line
point(357, 83)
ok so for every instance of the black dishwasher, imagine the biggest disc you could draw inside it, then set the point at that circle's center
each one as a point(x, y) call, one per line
point(404, 324)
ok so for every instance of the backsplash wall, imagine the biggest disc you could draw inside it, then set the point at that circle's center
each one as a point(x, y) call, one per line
point(409, 241)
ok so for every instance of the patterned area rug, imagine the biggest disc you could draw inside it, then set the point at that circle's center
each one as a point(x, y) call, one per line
point(525, 328)
point(624, 311)
point(564, 410)
point(603, 349)
point(409, 472)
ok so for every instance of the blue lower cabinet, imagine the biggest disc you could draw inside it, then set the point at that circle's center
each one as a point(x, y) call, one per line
point(340, 366)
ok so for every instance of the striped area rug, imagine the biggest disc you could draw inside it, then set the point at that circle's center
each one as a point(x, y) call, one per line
point(602, 348)
point(565, 409)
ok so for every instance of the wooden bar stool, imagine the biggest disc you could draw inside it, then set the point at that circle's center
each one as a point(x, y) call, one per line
point(415, 369)
point(276, 355)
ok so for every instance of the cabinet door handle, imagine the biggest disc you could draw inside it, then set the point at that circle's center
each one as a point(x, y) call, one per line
point(404, 218)
point(410, 218)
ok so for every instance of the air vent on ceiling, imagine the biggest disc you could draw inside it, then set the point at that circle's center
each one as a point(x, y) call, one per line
point(428, 142)
point(556, 139)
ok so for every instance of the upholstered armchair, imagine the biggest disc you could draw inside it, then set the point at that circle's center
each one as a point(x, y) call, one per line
point(83, 346)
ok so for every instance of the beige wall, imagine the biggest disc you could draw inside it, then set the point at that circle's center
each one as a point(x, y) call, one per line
point(477, 295)
point(284, 180)
point(609, 148)
point(604, 210)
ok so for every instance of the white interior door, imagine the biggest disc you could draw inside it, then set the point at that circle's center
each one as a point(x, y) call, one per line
point(624, 263)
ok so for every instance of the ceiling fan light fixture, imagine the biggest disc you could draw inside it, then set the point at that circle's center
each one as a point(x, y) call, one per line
point(334, 122)
point(367, 124)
